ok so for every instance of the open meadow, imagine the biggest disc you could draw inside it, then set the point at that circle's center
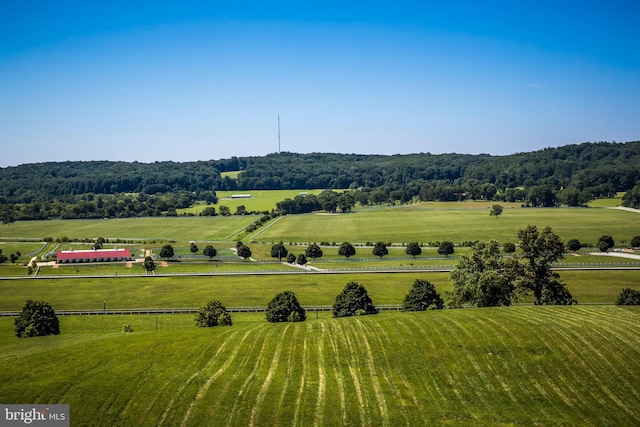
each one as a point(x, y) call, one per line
point(422, 224)
point(494, 366)
point(525, 364)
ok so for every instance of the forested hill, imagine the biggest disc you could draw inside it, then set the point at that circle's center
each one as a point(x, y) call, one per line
point(602, 167)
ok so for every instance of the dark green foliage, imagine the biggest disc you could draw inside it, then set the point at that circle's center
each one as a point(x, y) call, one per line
point(346, 250)
point(380, 249)
point(574, 245)
point(193, 248)
point(282, 308)
point(313, 251)
point(208, 211)
point(483, 279)
point(166, 251)
point(413, 249)
point(37, 319)
point(603, 246)
point(540, 250)
point(149, 265)
point(100, 241)
point(213, 314)
point(635, 242)
point(628, 296)
point(422, 296)
point(279, 251)
point(496, 210)
point(302, 259)
point(291, 258)
point(608, 240)
point(127, 328)
point(209, 251)
point(244, 252)
point(509, 248)
point(354, 297)
point(631, 198)
point(446, 248)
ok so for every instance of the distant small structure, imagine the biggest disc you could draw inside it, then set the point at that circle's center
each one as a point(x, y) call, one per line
point(241, 196)
point(304, 193)
point(95, 255)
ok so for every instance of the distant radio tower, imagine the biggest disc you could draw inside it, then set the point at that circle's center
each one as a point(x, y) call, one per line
point(278, 133)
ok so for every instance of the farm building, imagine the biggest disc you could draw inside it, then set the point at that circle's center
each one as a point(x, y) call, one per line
point(96, 255)
point(241, 196)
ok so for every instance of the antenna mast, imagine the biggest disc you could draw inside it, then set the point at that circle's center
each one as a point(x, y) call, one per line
point(278, 133)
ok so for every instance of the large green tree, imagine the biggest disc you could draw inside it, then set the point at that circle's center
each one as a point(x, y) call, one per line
point(539, 250)
point(313, 251)
point(285, 307)
point(422, 296)
point(482, 278)
point(380, 249)
point(149, 265)
point(37, 318)
point(166, 251)
point(346, 250)
point(413, 249)
point(279, 251)
point(446, 248)
point(244, 252)
point(212, 314)
point(209, 251)
point(353, 300)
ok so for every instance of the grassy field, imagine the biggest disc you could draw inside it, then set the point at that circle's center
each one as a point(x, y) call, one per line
point(250, 290)
point(142, 229)
point(260, 201)
point(500, 366)
point(416, 223)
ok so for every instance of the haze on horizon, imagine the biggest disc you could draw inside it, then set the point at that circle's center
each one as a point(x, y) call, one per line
point(155, 81)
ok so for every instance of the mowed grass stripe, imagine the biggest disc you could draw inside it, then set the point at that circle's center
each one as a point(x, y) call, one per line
point(561, 334)
point(209, 379)
point(334, 360)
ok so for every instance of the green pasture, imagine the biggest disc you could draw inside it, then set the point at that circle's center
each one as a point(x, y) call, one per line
point(140, 229)
point(260, 200)
point(496, 366)
point(415, 223)
point(75, 293)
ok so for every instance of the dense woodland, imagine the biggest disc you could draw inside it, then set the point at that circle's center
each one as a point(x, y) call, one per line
point(571, 175)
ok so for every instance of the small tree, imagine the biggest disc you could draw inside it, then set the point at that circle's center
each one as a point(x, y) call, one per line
point(413, 249)
point(291, 258)
point(496, 210)
point(213, 314)
point(166, 251)
point(346, 250)
point(99, 243)
point(149, 265)
point(445, 248)
point(313, 251)
point(193, 248)
point(603, 246)
point(37, 319)
point(279, 251)
point(284, 307)
point(608, 240)
point(380, 249)
point(574, 245)
point(628, 296)
point(422, 296)
point(353, 300)
point(224, 210)
point(209, 251)
point(244, 252)
point(302, 259)
point(635, 242)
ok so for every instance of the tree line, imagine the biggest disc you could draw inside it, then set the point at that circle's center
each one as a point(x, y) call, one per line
point(571, 175)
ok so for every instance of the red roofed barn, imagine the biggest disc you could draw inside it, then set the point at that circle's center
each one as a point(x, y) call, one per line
point(96, 255)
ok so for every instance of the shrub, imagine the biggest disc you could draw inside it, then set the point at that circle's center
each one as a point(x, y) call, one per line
point(127, 328)
point(291, 258)
point(37, 319)
point(629, 296)
point(282, 308)
point(635, 241)
point(213, 314)
point(608, 240)
point(574, 245)
point(353, 297)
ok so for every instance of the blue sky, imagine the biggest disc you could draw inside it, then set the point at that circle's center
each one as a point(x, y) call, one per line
point(185, 81)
